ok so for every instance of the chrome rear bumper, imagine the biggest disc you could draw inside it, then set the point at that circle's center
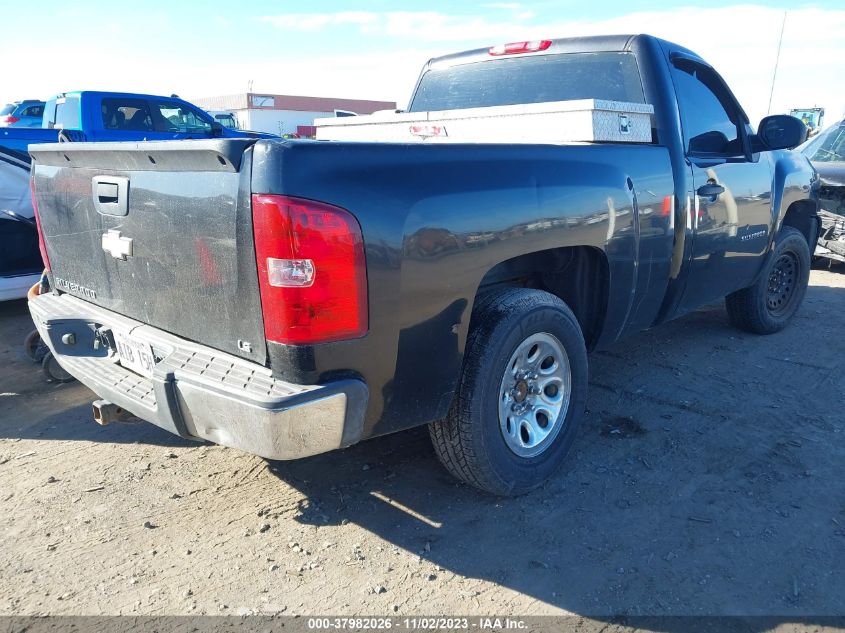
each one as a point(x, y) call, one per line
point(199, 392)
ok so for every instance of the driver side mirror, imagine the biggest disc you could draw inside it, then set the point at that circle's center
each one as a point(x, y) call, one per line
point(216, 129)
point(779, 131)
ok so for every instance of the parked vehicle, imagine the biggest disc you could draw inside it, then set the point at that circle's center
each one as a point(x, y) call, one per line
point(226, 119)
point(288, 298)
point(827, 153)
point(813, 118)
point(20, 261)
point(22, 114)
point(88, 116)
point(117, 116)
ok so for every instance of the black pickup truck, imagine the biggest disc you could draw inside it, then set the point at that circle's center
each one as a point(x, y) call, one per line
point(292, 297)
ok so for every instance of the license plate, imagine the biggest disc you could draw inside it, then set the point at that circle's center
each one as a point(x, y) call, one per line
point(134, 354)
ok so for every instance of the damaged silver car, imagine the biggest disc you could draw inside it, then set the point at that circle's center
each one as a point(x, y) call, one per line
point(827, 154)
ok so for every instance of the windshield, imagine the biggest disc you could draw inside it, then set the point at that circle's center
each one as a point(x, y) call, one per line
point(530, 79)
point(7, 109)
point(227, 119)
point(828, 146)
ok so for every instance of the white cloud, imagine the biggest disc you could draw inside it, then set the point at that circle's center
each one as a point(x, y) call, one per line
point(427, 26)
point(438, 27)
point(514, 7)
point(318, 21)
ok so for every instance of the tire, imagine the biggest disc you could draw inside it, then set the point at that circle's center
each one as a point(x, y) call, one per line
point(53, 371)
point(31, 344)
point(494, 436)
point(769, 304)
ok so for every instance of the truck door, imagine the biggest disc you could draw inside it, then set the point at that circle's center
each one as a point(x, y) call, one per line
point(126, 119)
point(729, 208)
point(177, 119)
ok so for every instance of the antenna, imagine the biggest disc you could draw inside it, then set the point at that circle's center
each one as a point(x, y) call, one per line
point(249, 86)
point(777, 59)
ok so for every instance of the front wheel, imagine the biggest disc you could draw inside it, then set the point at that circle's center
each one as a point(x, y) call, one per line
point(521, 395)
point(769, 304)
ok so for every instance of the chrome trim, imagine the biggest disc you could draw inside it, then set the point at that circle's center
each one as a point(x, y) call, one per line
point(672, 214)
point(200, 392)
point(689, 226)
point(697, 199)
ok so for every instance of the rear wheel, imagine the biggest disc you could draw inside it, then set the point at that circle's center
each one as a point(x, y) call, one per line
point(769, 304)
point(521, 395)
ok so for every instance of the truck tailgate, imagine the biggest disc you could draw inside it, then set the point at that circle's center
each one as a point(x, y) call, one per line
point(158, 231)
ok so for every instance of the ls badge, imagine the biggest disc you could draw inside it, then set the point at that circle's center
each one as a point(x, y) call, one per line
point(116, 245)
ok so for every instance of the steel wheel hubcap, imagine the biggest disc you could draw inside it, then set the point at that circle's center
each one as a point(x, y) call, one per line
point(534, 394)
point(782, 282)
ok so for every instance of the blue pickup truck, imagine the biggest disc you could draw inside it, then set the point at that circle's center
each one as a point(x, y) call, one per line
point(82, 116)
point(117, 116)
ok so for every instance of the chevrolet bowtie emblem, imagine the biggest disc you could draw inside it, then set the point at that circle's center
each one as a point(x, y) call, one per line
point(117, 246)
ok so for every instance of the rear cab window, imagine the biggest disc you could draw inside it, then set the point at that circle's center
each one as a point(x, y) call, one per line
point(33, 111)
point(63, 113)
point(613, 76)
point(8, 109)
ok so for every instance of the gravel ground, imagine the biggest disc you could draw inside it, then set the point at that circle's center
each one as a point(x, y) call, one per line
point(707, 480)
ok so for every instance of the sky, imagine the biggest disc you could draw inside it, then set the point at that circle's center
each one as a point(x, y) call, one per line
point(374, 49)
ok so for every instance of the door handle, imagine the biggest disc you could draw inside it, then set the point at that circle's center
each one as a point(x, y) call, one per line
point(107, 192)
point(710, 190)
point(111, 195)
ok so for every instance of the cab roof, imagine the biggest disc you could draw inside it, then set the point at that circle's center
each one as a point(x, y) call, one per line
point(590, 44)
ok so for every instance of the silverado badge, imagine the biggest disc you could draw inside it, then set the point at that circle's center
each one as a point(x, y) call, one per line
point(117, 246)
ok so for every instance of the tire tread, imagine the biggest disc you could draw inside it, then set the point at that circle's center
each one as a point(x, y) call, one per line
point(451, 436)
point(746, 307)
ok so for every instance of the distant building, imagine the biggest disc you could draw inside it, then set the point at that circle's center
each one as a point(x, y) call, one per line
point(286, 114)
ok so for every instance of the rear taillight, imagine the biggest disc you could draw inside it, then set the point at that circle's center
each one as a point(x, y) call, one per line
point(10, 119)
point(311, 270)
point(42, 246)
point(514, 48)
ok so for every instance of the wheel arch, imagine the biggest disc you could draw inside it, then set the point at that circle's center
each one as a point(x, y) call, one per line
point(794, 202)
point(578, 275)
point(803, 216)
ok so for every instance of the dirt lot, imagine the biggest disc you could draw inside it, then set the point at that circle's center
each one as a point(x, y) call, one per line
point(708, 479)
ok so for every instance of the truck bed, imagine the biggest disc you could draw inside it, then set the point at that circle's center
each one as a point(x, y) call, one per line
point(435, 220)
point(18, 139)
